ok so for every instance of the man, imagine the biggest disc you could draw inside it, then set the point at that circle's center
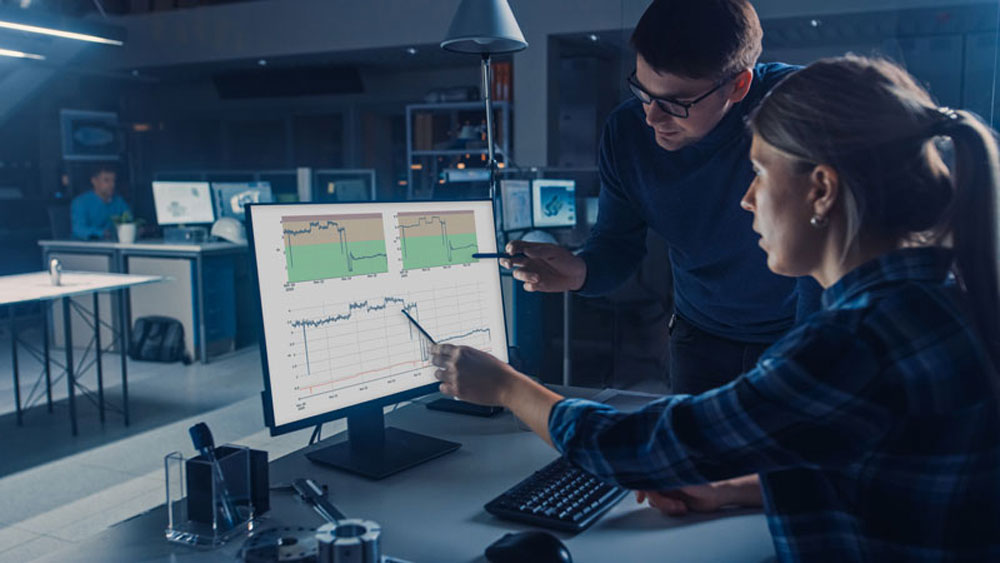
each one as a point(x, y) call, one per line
point(91, 212)
point(675, 159)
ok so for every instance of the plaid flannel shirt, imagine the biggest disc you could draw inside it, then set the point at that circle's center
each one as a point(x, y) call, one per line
point(874, 425)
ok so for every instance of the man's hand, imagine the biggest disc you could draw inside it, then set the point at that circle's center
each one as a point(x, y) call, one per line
point(546, 267)
point(710, 497)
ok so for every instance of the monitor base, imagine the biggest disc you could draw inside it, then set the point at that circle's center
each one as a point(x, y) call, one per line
point(401, 450)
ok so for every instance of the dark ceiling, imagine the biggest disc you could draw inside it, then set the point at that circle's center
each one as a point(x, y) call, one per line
point(76, 8)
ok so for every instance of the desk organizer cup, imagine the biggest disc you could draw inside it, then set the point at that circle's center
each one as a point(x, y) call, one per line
point(207, 505)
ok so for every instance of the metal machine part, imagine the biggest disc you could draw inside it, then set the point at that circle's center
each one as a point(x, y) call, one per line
point(286, 544)
point(351, 540)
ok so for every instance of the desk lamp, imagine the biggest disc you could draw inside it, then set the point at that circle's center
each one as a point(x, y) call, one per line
point(485, 28)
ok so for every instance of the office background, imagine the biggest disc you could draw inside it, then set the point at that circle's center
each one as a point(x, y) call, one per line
point(309, 95)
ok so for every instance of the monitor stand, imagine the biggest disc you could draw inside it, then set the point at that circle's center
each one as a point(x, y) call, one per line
point(374, 451)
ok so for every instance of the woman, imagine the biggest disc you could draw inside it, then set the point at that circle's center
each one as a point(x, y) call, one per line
point(874, 425)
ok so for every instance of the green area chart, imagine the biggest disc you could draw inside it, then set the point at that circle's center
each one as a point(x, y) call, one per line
point(445, 238)
point(334, 246)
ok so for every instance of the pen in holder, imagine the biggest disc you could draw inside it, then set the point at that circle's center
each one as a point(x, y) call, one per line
point(209, 498)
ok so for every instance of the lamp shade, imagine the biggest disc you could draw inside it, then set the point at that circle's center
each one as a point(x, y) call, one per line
point(484, 26)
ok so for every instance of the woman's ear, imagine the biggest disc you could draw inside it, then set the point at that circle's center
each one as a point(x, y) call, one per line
point(740, 86)
point(824, 189)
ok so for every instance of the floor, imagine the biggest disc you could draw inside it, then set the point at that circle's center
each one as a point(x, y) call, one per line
point(57, 489)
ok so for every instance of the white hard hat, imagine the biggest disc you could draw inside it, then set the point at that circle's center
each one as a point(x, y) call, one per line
point(230, 229)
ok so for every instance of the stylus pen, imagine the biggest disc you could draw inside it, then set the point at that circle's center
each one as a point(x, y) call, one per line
point(420, 328)
point(499, 255)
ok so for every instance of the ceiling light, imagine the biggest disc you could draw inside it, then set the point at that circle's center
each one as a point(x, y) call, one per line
point(815, 23)
point(20, 55)
point(593, 37)
point(411, 50)
point(58, 33)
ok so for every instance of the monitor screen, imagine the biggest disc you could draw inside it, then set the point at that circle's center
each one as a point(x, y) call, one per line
point(516, 197)
point(230, 197)
point(554, 203)
point(179, 203)
point(343, 185)
point(334, 279)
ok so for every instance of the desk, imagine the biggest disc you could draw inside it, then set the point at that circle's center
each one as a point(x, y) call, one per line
point(209, 305)
point(434, 512)
point(26, 288)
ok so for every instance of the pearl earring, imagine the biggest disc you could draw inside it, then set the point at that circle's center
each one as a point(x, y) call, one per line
point(818, 221)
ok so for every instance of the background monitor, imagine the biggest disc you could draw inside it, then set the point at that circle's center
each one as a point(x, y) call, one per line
point(231, 197)
point(333, 280)
point(553, 203)
point(179, 203)
point(516, 198)
point(345, 185)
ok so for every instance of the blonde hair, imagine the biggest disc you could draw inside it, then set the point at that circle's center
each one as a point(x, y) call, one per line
point(871, 121)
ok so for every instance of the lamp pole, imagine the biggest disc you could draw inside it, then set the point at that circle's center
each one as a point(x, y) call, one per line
point(487, 96)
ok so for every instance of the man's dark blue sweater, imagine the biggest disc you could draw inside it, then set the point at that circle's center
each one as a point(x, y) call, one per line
point(692, 198)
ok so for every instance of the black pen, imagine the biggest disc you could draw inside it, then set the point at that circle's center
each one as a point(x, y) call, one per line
point(499, 255)
point(420, 328)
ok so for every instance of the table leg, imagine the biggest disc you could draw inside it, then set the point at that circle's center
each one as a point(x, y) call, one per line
point(13, 360)
point(70, 381)
point(123, 342)
point(97, 356)
point(46, 312)
point(567, 321)
point(203, 339)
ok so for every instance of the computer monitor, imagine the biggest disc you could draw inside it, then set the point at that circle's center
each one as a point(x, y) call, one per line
point(230, 197)
point(553, 203)
point(183, 203)
point(333, 281)
point(345, 185)
point(515, 196)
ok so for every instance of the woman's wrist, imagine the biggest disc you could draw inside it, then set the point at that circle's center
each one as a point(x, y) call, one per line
point(741, 491)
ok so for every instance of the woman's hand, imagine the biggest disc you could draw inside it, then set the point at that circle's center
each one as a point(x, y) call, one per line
point(477, 377)
point(472, 375)
point(710, 497)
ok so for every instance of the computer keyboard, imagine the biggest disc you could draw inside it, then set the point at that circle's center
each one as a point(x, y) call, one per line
point(558, 496)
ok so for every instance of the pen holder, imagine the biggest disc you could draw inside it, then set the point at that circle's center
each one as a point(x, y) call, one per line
point(209, 504)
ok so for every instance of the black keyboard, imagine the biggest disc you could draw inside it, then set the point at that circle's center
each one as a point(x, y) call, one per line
point(558, 496)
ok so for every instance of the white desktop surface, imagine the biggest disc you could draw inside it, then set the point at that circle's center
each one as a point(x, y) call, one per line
point(37, 286)
point(152, 244)
point(434, 512)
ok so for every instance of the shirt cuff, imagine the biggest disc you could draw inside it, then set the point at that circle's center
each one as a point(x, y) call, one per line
point(563, 419)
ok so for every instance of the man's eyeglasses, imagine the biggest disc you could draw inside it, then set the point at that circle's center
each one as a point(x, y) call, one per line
point(673, 107)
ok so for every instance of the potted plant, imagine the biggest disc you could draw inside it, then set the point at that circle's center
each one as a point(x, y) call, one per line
point(126, 225)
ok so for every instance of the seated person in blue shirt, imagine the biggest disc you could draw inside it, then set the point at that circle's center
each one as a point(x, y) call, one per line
point(91, 212)
point(874, 425)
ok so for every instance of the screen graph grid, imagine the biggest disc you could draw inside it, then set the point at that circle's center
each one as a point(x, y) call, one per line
point(349, 347)
point(334, 246)
point(443, 238)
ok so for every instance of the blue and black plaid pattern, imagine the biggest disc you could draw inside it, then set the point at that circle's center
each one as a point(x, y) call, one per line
point(874, 425)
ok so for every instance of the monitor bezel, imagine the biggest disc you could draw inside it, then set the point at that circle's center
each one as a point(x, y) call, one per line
point(211, 200)
point(217, 197)
point(531, 205)
point(380, 402)
point(535, 194)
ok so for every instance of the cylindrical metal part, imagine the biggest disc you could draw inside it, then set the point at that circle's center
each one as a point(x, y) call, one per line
point(351, 540)
point(55, 271)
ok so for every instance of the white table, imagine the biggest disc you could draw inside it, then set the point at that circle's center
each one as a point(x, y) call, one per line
point(37, 287)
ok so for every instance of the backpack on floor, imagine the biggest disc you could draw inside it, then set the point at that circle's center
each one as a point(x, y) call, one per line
point(158, 339)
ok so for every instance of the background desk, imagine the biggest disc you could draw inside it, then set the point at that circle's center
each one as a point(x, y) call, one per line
point(434, 512)
point(209, 292)
point(37, 287)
